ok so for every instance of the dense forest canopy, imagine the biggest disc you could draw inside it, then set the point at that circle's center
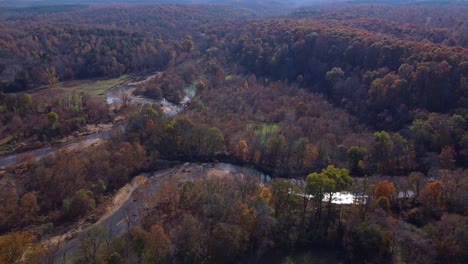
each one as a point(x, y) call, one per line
point(143, 105)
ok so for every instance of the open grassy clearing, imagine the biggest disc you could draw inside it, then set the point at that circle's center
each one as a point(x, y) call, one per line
point(262, 130)
point(98, 87)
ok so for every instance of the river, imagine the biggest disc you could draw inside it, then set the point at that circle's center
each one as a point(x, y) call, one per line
point(131, 203)
point(114, 96)
point(126, 92)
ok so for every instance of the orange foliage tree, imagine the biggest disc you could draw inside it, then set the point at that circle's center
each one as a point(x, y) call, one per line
point(384, 188)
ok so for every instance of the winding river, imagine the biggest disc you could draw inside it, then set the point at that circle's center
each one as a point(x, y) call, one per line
point(113, 97)
point(131, 202)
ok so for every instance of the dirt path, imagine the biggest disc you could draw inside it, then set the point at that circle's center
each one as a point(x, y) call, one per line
point(149, 78)
point(126, 210)
point(70, 144)
point(129, 206)
point(119, 199)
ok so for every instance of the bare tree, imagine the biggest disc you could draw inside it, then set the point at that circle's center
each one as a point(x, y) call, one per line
point(246, 183)
point(125, 98)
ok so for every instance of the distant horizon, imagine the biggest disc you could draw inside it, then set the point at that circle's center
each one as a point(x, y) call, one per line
point(296, 2)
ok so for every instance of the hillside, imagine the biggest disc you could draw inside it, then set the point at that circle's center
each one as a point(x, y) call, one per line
point(245, 132)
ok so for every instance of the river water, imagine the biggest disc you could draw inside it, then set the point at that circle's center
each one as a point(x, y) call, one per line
point(337, 198)
point(113, 97)
point(231, 168)
point(116, 95)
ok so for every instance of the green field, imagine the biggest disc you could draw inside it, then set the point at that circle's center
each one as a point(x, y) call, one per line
point(262, 130)
point(98, 87)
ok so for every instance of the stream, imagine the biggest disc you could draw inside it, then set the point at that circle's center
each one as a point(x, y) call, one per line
point(126, 90)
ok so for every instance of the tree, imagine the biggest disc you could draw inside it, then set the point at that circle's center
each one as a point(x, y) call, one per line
point(13, 246)
point(317, 185)
point(284, 197)
point(422, 134)
point(90, 244)
point(16, 124)
point(386, 92)
point(227, 243)
point(247, 219)
point(189, 241)
point(81, 203)
point(405, 70)
point(451, 238)
point(334, 74)
point(180, 131)
point(276, 147)
point(29, 206)
point(138, 238)
point(329, 181)
point(168, 197)
point(336, 90)
point(435, 191)
point(264, 216)
point(381, 151)
point(27, 100)
point(53, 118)
point(403, 153)
point(157, 246)
point(464, 146)
point(215, 140)
point(115, 258)
point(384, 203)
point(51, 76)
point(416, 181)
point(366, 243)
point(285, 202)
point(242, 150)
point(384, 188)
point(311, 155)
point(356, 157)
point(126, 159)
point(246, 184)
point(447, 157)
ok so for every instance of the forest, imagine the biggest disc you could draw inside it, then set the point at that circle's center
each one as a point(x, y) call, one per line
point(179, 111)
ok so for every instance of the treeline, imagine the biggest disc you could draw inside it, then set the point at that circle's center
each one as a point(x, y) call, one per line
point(262, 90)
point(234, 219)
point(288, 131)
point(66, 186)
point(253, 220)
point(8, 13)
point(440, 23)
point(94, 42)
point(41, 118)
point(355, 68)
point(389, 84)
point(177, 139)
point(44, 54)
point(280, 128)
point(171, 83)
point(170, 21)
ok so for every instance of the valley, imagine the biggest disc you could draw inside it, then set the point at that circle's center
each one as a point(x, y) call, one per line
point(233, 132)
